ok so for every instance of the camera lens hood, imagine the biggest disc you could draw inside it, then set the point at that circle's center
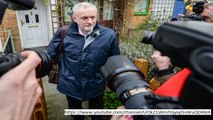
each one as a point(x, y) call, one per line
point(115, 65)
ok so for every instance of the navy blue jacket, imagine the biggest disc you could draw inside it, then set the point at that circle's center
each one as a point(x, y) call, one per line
point(80, 76)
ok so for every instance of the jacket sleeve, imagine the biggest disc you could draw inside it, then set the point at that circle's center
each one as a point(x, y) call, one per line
point(54, 44)
point(163, 79)
point(115, 50)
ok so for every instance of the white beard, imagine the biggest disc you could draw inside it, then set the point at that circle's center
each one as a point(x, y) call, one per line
point(88, 28)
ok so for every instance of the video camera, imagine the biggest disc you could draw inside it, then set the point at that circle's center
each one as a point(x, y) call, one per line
point(197, 8)
point(9, 61)
point(189, 46)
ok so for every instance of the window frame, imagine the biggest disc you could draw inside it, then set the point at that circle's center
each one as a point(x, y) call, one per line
point(140, 13)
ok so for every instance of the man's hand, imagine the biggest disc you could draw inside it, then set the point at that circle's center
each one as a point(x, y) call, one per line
point(121, 117)
point(19, 89)
point(162, 62)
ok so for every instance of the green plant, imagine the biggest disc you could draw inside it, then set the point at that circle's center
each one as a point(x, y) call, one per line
point(111, 101)
point(46, 2)
point(132, 45)
point(150, 24)
point(134, 49)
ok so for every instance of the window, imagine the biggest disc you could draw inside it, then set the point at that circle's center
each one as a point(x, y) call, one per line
point(37, 18)
point(27, 19)
point(141, 7)
point(165, 9)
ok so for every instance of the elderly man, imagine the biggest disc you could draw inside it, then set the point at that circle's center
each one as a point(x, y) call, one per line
point(87, 45)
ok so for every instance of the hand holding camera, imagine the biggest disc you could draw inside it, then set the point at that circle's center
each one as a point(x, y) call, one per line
point(9, 61)
point(19, 89)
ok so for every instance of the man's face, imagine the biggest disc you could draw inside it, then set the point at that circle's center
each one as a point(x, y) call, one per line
point(85, 18)
point(207, 13)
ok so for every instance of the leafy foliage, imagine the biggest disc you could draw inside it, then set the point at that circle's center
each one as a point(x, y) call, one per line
point(150, 24)
point(46, 2)
point(111, 101)
point(133, 47)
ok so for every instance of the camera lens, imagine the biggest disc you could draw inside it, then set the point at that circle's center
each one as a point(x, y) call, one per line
point(9, 61)
point(127, 81)
point(148, 36)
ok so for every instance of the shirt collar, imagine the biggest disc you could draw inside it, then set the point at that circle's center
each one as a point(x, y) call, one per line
point(79, 30)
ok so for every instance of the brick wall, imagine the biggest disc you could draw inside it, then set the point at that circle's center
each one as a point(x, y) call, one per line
point(10, 22)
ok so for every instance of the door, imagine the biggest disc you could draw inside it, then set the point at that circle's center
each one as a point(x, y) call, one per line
point(32, 27)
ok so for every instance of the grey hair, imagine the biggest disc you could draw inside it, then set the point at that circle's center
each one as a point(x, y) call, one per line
point(76, 7)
